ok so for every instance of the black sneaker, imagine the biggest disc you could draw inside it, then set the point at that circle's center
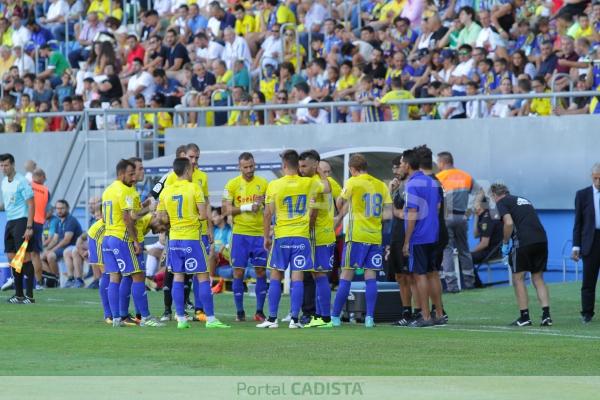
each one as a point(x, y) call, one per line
point(403, 322)
point(28, 300)
point(241, 316)
point(546, 321)
point(422, 323)
point(16, 300)
point(443, 320)
point(521, 322)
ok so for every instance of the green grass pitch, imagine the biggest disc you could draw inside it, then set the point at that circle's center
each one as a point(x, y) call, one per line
point(63, 334)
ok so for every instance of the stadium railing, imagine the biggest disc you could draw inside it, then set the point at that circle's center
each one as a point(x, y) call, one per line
point(180, 113)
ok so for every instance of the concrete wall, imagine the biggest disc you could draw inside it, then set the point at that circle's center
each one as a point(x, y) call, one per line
point(544, 159)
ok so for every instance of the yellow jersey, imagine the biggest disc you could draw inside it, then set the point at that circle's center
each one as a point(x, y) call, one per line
point(391, 10)
point(201, 180)
point(180, 201)
point(96, 231)
point(367, 197)
point(239, 192)
point(142, 226)
point(291, 196)
point(346, 82)
point(285, 15)
point(246, 25)
point(116, 199)
point(324, 203)
point(267, 87)
point(398, 95)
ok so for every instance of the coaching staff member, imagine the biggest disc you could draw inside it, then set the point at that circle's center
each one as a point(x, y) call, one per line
point(586, 241)
point(530, 250)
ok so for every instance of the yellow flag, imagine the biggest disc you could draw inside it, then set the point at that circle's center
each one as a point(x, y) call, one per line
point(17, 262)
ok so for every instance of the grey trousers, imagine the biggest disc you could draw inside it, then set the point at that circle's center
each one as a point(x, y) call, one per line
point(457, 239)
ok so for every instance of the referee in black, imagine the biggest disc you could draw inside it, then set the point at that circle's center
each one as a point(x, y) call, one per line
point(524, 234)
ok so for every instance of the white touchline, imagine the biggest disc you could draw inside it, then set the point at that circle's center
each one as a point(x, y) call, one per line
point(523, 331)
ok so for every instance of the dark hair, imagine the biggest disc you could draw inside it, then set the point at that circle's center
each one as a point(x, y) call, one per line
point(63, 201)
point(410, 157)
point(192, 146)
point(524, 85)
point(202, 35)
point(7, 157)
point(368, 29)
point(122, 166)
point(425, 156)
point(135, 160)
point(473, 84)
point(290, 158)
point(173, 31)
point(446, 156)
point(310, 155)
point(180, 165)
point(289, 66)
point(320, 62)
point(499, 189)
point(159, 72)
point(358, 161)
point(67, 99)
point(397, 82)
point(303, 87)
point(180, 149)
point(246, 156)
point(468, 10)
point(396, 161)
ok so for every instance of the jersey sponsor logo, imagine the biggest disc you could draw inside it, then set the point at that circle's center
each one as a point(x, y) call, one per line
point(246, 199)
point(376, 260)
point(523, 202)
point(191, 264)
point(299, 261)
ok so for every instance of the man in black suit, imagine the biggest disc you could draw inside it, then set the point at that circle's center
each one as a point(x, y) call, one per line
point(586, 241)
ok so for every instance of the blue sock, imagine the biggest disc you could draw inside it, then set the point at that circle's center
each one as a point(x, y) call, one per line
point(238, 293)
point(113, 299)
point(317, 305)
point(261, 293)
point(297, 297)
point(274, 297)
point(371, 296)
point(177, 294)
point(124, 295)
point(103, 290)
point(340, 297)
point(206, 297)
point(140, 299)
point(323, 296)
point(197, 297)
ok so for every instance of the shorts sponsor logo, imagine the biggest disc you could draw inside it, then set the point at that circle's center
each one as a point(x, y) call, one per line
point(116, 252)
point(188, 250)
point(331, 261)
point(191, 264)
point(299, 261)
point(293, 246)
point(376, 260)
point(121, 264)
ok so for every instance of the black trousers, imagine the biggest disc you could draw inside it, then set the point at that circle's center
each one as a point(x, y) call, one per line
point(591, 266)
point(308, 303)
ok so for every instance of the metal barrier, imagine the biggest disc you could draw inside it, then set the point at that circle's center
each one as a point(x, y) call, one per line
point(332, 106)
point(555, 77)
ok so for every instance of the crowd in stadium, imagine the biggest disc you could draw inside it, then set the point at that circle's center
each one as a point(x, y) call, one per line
point(177, 52)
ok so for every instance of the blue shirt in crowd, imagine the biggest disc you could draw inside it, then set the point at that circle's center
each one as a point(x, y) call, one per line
point(69, 224)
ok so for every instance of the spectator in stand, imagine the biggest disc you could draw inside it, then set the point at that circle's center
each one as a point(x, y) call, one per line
point(39, 35)
point(20, 34)
point(130, 52)
point(219, 20)
point(236, 48)
point(57, 65)
point(109, 85)
point(55, 16)
point(540, 106)
point(177, 54)
point(23, 61)
point(85, 37)
point(140, 83)
point(170, 88)
point(452, 109)
point(204, 50)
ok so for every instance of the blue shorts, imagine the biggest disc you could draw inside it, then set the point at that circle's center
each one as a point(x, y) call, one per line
point(187, 257)
point(362, 255)
point(206, 243)
point(422, 258)
point(324, 258)
point(245, 248)
point(294, 251)
point(95, 252)
point(119, 256)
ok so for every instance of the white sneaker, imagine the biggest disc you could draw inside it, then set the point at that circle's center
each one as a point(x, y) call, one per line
point(295, 325)
point(287, 318)
point(39, 287)
point(268, 324)
point(8, 284)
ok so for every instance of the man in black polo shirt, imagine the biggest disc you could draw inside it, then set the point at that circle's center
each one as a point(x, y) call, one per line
point(524, 231)
point(489, 232)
